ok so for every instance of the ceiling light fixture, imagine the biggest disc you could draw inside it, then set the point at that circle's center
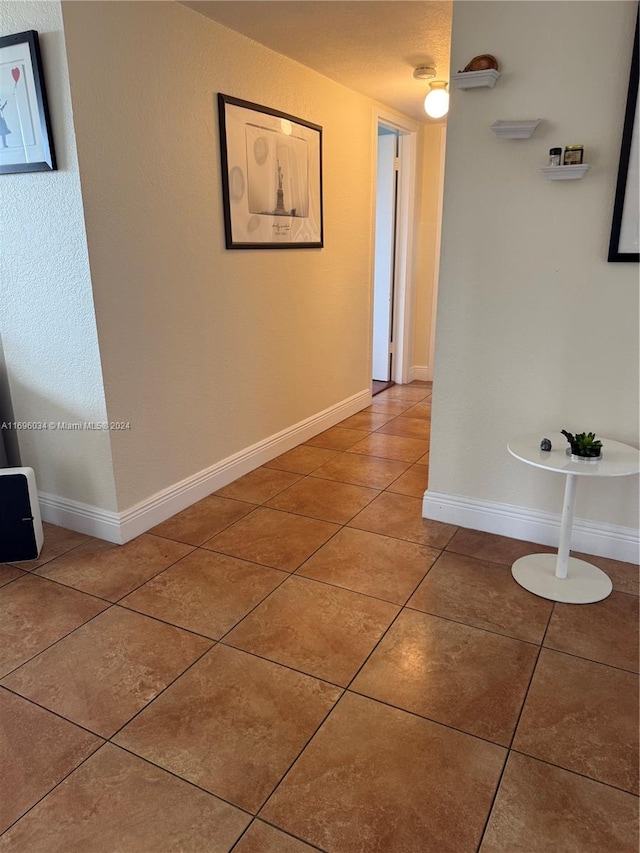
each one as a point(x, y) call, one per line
point(424, 72)
point(436, 104)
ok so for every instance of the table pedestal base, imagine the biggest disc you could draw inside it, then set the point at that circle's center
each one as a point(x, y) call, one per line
point(584, 583)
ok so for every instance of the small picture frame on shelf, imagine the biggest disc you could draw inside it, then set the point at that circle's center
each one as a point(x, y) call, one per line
point(573, 155)
point(26, 143)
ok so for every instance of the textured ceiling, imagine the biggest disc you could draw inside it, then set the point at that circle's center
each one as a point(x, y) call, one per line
point(371, 46)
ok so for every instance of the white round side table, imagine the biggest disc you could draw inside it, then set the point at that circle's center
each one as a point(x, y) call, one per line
point(560, 577)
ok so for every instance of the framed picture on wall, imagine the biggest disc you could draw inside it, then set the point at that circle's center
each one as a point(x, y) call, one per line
point(625, 228)
point(26, 144)
point(271, 177)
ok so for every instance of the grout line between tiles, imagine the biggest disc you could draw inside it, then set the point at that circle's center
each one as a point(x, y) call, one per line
point(515, 728)
point(533, 672)
point(300, 574)
point(51, 559)
point(181, 778)
point(55, 642)
point(55, 713)
point(283, 665)
point(300, 752)
point(574, 772)
point(57, 784)
point(591, 660)
point(428, 719)
point(471, 625)
point(291, 835)
point(164, 689)
point(242, 835)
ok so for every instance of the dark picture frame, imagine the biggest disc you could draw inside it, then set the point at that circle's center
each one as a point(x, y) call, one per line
point(26, 142)
point(625, 228)
point(271, 177)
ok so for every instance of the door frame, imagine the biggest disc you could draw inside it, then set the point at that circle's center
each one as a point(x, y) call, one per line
point(403, 272)
point(436, 254)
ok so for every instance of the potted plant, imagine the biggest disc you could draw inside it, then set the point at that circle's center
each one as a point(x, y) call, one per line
point(583, 445)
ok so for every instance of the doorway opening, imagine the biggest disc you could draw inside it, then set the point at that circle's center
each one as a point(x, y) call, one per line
point(395, 147)
point(385, 258)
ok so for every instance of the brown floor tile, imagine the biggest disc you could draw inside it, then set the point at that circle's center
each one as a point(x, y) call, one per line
point(482, 594)
point(372, 564)
point(259, 485)
point(413, 482)
point(107, 670)
point(388, 407)
point(367, 420)
point(302, 459)
point(460, 676)
point(424, 460)
point(624, 576)
point(57, 541)
point(323, 499)
point(361, 470)
point(337, 438)
point(409, 427)
point(420, 410)
point(413, 393)
point(606, 631)
point(489, 546)
point(582, 716)
point(232, 724)
point(9, 573)
point(205, 592)
point(397, 447)
point(116, 802)
point(37, 750)
point(197, 523)
point(34, 613)
point(378, 780)
point(315, 628)
point(400, 516)
point(112, 571)
point(262, 838)
point(540, 808)
point(278, 539)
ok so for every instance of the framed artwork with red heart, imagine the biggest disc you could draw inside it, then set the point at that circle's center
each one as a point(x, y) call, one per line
point(26, 143)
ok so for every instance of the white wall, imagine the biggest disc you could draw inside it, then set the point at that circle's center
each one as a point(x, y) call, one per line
point(46, 308)
point(535, 330)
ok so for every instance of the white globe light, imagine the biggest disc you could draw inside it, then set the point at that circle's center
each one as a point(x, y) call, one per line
point(436, 104)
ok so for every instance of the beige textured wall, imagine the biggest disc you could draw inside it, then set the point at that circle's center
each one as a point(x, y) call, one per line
point(207, 351)
point(47, 321)
point(536, 331)
point(427, 245)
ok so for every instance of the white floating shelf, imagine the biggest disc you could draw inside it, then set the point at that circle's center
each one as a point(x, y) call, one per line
point(515, 129)
point(565, 173)
point(476, 79)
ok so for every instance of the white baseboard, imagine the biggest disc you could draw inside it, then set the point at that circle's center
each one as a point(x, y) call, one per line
point(424, 374)
point(124, 526)
point(83, 518)
point(589, 537)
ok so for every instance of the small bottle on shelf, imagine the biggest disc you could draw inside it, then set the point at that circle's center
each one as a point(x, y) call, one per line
point(554, 156)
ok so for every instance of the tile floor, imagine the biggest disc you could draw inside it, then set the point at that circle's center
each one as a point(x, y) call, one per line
point(302, 662)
